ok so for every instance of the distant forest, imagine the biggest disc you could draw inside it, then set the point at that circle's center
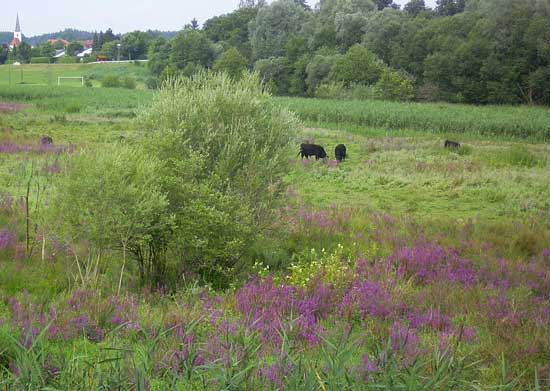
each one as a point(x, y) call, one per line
point(466, 51)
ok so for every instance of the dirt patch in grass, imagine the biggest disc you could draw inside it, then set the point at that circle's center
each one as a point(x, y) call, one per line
point(11, 107)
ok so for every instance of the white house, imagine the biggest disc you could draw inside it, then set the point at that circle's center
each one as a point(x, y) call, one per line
point(59, 53)
point(85, 53)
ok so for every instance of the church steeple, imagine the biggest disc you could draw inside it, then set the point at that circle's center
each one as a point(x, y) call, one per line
point(17, 26)
point(17, 35)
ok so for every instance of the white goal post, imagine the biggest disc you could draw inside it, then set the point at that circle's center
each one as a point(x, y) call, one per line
point(59, 78)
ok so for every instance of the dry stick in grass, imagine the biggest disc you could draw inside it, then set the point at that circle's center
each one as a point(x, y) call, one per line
point(43, 246)
point(36, 225)
point(27, 217)
point(122, 268)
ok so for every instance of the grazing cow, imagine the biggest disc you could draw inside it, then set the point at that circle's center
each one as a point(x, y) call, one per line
point(451, 144)
point(340, 152)
point(307, 150)
point(45, 140)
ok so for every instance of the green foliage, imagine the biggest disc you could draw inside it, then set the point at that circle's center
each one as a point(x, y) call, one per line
point(415, 7)
point(317, 70)
point(41, 60)
point(234, 123)
point(235, 140)
point(330, 8)
point(158, 54)
point(24, 53)
point(128, 82)
point(357, 66)
point(232, 29)
point(110, 81)
point(394, 86)
point(337, 90)
point(350, 29)
point(74, 48)
point(134, 45)
point(191, 47)
point(112, 200)
point(519, 155)
point(328, 267)
point(231, 62)
point(450, 7)
point(384, 33)
point(189, 70)
point(110, 50)
point(274, 72)
point(67, 60)
point(539, 85)
point(274, 26)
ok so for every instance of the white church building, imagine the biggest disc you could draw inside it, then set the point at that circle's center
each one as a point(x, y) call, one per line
point(17, 35)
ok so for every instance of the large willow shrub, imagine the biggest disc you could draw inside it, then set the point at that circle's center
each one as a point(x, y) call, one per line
point(234, 125)
point(224, 146)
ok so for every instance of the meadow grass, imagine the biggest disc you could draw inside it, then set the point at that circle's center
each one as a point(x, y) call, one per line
point(415, 174)
point(407, 266)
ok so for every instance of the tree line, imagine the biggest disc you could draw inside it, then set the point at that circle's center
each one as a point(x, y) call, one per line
point(465, 51)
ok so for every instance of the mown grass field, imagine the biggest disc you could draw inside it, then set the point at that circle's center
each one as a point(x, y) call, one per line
point(426, 268)
point(47, 74)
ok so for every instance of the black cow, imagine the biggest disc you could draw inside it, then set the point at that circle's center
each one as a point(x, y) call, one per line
point(340, 152)
point(307, 150)
point(451, 144)
point(45, 140)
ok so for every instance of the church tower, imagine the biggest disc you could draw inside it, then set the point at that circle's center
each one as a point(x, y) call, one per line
point(17, 36)
point(17, 33)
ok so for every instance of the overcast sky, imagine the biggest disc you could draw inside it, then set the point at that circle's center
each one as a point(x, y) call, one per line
point(46, 16)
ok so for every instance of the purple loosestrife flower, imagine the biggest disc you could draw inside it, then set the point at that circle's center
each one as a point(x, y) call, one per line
point(14, 369)
point(35, 148)
point(81, 321)
point(369, 298)
point(275, 373)
point(7, 239)
point(53, 168)
point(51, 369)
point(404, 340)
point(430, 263)
point(432, 318)
point(368, 367)
point(53, 331)
point(500, 308)
point(268, 308)
point(117, 320)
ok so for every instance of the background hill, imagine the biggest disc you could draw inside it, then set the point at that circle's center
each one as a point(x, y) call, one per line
point(70, 35)
point(5, 36)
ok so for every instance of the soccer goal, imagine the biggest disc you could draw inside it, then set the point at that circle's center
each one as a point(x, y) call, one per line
point(59, 78)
